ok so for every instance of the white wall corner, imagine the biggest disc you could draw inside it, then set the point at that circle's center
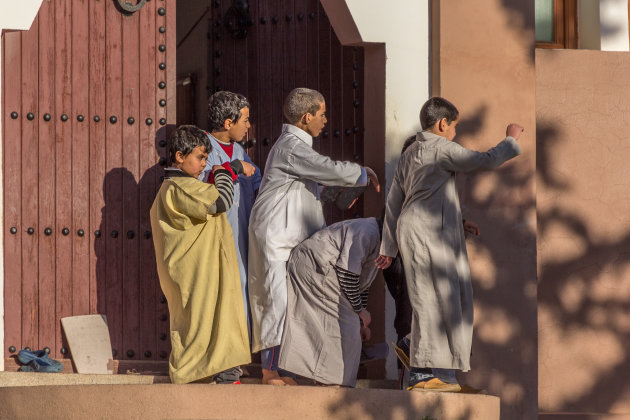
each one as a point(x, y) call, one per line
point(18, 14)
point(405, 31)
point(613, 25)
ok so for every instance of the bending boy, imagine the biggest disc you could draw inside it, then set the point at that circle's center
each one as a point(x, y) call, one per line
point(423, 221)
point(197, 265)
point(329, 275)
point(286, 212)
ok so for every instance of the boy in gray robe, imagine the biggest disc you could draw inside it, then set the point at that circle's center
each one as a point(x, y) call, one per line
point(286, 212)
point(423, 222)
point(329, 276)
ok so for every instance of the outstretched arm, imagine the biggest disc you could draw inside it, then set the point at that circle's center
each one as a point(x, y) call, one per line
point(456, 158)
point(304, 162)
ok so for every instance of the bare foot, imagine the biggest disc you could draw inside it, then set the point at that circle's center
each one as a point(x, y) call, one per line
point(274, 382)
point(271, 377)
point(288, 381)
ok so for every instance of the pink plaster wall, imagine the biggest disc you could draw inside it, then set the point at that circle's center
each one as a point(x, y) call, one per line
point(483, 61)
point(583, 203)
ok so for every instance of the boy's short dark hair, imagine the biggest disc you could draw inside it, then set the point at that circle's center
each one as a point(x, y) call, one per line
point(301, 101)
point(224, 105)
point(185, 138)
point(434, 110)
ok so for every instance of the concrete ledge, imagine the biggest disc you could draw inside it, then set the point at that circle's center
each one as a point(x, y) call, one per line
point(20, 379)
point(238, 402)
point(15, 379)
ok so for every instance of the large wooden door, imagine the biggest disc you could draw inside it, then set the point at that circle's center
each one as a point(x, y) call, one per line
point(277, 46)
point(87, 96)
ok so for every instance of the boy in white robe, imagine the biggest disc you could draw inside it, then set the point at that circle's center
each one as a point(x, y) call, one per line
point(423, 222)
point(286, 212)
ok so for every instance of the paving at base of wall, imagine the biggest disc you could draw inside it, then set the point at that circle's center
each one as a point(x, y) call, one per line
point(196, 401)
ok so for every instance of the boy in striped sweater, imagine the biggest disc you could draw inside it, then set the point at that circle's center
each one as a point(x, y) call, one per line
point(328, 278)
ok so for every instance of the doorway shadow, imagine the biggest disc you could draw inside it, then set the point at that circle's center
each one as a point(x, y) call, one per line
point(128, 290)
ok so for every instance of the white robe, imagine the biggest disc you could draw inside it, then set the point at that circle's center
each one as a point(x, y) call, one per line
point(423, 218)
point(286, 212)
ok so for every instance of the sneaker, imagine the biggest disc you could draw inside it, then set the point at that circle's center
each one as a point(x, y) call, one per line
point(418, 386)
point(228, 376)
point(435, 385)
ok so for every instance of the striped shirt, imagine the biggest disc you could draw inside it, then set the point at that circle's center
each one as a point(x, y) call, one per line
point(225, 186)
point(349, 283)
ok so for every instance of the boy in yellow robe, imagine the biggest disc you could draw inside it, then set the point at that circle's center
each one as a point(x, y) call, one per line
point(197, 265)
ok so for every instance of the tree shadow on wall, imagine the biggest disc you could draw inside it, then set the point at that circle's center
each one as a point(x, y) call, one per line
point(582, 295)
point(581, 298)
point(128, 290)
point(504, 284)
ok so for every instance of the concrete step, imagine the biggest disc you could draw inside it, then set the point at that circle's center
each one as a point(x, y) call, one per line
point(15, 379)
point(20, 379)
point(203, 401)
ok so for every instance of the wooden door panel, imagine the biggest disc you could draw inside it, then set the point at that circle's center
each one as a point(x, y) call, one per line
point(263, 115)
point(130, 240)
point(12, 167)
point(115, 173)
point(147, 184)
point(29, 182)
point(97, 158)
point(46, 179)
point(84, 171)
point(80, 163)
point(63, 164)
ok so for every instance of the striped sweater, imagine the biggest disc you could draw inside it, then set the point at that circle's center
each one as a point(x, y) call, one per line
point(349, 283)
